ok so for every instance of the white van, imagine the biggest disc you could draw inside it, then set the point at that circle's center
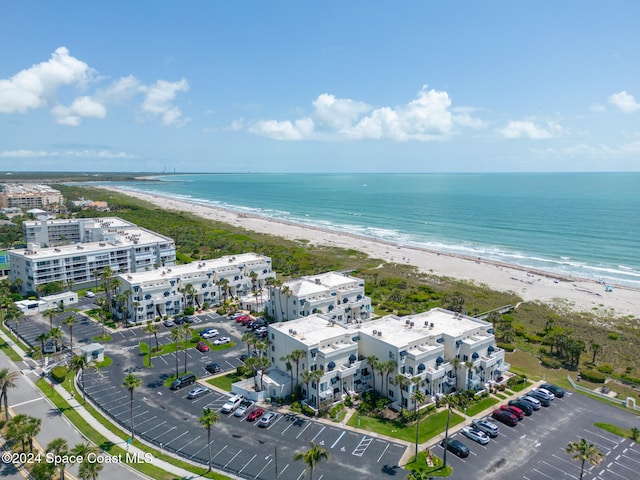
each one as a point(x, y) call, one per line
point(89, 294)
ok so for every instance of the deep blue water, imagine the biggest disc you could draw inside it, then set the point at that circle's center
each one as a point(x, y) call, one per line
point(581, 224)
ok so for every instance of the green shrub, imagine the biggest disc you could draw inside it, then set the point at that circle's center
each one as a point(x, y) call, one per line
point(593, 376)
point(59, 373)
point(612, 336)
point(507, 347)
point(604, 368)
point(629, 379)
point(550, 362)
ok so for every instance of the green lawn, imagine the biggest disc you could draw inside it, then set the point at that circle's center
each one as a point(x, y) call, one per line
point(481, 405)
point(421, 466)
point(430, 426)
point(616, 430)
point(223, 382)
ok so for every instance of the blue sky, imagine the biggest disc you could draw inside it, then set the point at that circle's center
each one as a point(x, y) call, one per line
point(375, 86)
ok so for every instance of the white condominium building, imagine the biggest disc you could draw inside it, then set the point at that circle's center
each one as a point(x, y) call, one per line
point(338, 295)
point(29, 196)
point(437, 351)
point(129, 249)
point(167, 291)
point(51, 233)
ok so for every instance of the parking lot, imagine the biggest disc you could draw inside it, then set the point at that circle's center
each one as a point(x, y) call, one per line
point(169, 420)
point(535, 448)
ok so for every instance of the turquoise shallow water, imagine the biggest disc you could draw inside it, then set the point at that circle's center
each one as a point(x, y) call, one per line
point(586, 225)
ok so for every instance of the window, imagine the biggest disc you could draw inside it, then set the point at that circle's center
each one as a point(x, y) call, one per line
point(392, 355)
point(410, 370)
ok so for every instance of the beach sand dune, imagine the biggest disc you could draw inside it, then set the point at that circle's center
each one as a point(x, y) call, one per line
point(531, 285)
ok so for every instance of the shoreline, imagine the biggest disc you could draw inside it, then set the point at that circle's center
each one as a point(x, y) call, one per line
point(577, 294)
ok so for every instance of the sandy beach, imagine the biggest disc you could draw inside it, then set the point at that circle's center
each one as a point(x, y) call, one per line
point(530, 285)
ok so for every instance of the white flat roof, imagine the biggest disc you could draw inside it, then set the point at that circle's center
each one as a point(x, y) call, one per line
point(200, 266)
point(310, 330)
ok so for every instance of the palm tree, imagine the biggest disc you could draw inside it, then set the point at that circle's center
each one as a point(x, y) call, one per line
point(388, 367)
point(16, 430)
point(401, 381)
point(59, 448)
point(250, 339)
point(56, 335)
point(207, 420)
point(596, 348)
point(286, 291)
point(90, 470)
point(151, 329)
point(187, 333)
point(251, 364)
point(312, 457)
point(373, 362)
point(585, 452)
point(77, 364)
point(176, 334)
point(106, 276)
point(296, 356)
point(50, 313)
point(68, 322)
point(15, 314)
point(43, 337)
point(131, 382)
point(418, 398)
point(7, 380)
point(447, 400)
point(31, 429)
point(289, 367)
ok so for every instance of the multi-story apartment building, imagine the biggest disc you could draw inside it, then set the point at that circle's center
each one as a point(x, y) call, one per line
point(167, 291)
point(29, 196)
point(119, 245)
point(64, 231)
point(339, 295)
point(437, 351)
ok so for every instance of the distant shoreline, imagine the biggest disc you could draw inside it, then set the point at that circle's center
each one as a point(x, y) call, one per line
point(530, 284)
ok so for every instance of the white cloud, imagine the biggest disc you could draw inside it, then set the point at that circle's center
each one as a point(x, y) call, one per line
point(528, 129)
point(80, 108)
point(120, 91)
point(36, 86)
point(158, 101)
point(426, 118)
point(597, 108)
point(86, 153)
point(624, 101)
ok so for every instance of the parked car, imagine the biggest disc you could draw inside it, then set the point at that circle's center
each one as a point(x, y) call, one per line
point(456, 447)
point(505, 417)
point(546, 392)
point(487, 427)
point(89, 294)
point(524, 406)
point(534, 402)
point(169, 323)
point(210, 334)
point(543, 398)
point(556, 390)
point(178, 320)
point(243, 357)
point(183, 381)
point(244, 407)
point(190, 319)
point(255, 414)
point(267, 419)
point(213, 368)
point(202, 347)
point(231, 404)
point(221, 341)
point(197, 392)
point(476, 435)
point(515, 410)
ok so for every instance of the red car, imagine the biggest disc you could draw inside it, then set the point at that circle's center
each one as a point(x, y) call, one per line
point(202, 347)
point(255, 414)
point(505, 417)
point(515, 410)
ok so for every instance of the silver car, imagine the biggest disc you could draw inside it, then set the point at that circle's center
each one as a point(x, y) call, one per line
point(476, 435)
point(490, 428)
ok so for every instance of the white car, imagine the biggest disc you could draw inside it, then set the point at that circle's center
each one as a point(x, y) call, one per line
point(221, 341)
point(210, 334)
point(231, 404)
point(546, 392)
point(476, 435)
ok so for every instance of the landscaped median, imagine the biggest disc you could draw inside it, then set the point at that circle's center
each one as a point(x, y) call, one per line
point(171, 347)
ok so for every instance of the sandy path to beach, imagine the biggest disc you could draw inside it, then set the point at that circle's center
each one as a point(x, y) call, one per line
point(578, 294)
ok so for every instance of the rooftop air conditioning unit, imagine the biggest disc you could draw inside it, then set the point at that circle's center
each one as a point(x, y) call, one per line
point(431, 325)
point(407, 322)
point(379, 333)
point(412, 324)
point(375, 332)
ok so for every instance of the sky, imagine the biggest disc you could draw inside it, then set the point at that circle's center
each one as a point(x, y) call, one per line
point(324, 86)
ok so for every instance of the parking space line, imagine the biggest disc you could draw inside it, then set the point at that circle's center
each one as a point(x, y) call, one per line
point(232, 458)
point(167, 431)
point(597, 434)
point(303, 430)
point(383, 452)
point(147, 420)
point(362, 446)
point(220, 451)
point(247, 464)
point(317, 434)
point(178, 437)
point(187, 444)
point(263, 469)
point(543, 474)
point(338, 439)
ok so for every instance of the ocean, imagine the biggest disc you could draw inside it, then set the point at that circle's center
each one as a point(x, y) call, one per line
point(578, 224)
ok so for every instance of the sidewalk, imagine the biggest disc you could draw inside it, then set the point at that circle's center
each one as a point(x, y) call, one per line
point(28, 398)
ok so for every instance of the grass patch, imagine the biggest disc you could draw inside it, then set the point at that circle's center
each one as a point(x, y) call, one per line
point(223, 382)
point(500, 396)
point(431, 426)
point(481, 406)
point(10, 352)
point(421, 466)
point(105, 363)
point(521, 386)
point(617, 430)
point(14, 338)
point(102, 338)
point(109, 447)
